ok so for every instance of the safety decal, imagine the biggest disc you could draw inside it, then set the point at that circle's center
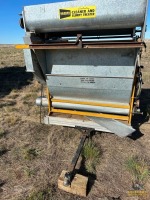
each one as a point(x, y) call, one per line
point(78, 12)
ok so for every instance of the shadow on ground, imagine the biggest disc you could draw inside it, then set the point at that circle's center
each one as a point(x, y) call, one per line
point(144, 117)
point(13, 78)
point(91, 177)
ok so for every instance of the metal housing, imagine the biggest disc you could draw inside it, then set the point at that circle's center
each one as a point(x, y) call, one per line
point(91, 65)
point(110, 14)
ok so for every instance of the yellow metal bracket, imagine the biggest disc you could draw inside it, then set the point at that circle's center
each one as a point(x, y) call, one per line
point(131, 105)
point(22, 46)
point(49, 101)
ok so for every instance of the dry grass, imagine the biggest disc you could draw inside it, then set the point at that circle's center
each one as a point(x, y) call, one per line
point(30, 154)
point(3, 150)
point(92, 155)
point(12, 120)
point(9, 56)
point(2, 133)
point(38, 153)
point(139, 169)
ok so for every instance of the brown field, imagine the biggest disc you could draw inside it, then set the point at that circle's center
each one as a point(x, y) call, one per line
point(32, 155)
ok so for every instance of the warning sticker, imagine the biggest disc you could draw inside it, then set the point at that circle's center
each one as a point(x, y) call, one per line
point(78, 12)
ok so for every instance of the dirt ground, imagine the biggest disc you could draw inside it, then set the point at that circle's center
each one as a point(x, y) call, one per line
point(32, 155)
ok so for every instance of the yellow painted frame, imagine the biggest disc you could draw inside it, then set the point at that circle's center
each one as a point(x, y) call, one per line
point(49, 101)
point(92, 114)
point(84, 113)
point(131, 105)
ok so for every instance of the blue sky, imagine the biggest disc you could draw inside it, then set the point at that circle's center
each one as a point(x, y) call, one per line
point(10, 31)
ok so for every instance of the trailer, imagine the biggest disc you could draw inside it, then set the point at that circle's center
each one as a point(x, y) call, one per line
point(88, 54)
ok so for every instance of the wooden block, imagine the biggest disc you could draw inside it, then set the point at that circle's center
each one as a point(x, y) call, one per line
point(78, 184)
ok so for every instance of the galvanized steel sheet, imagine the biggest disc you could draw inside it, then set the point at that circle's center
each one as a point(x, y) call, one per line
point(109, 14)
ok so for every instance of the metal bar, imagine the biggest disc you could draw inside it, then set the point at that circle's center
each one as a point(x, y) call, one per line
point(41, 104)
point(74, 112)
point(82, 107)
point(89, 108)
point(131, 105)
point(22, 46)
point(77, 154)
point(85, 45)
point(91, 103)
point(115, 42)
point(69, 175)
point(112, 46)
point(108, 37)
point(64, 75)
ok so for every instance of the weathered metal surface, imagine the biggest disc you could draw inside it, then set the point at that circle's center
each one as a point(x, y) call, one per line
point(114, 126)
point(42, 101)
point(98, 124)
point(98, 109)
point(90, 74)
point(91, 57)
point(101, 109)
point(72, 122)
point(86, 45)
point(91, 88)
point(100, 71)
point(33, 65)
point(109, 14)
point(100, 65)
point(93, 103)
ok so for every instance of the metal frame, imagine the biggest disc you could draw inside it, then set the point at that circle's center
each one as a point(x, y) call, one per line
point(93, 114)
point(131, 105)
point(83, 113)
point(72, 45)
point(82, 44)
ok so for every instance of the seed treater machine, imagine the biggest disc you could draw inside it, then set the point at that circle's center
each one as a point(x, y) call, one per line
point(88, 54)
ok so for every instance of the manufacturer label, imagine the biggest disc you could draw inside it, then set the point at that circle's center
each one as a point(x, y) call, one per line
point(78, 12)
point(87, 80)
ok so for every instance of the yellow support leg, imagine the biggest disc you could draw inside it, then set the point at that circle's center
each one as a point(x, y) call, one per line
point(131, 105)
point(49, 101)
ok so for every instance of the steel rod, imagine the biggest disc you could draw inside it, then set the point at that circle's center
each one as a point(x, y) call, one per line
point(77, 154)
